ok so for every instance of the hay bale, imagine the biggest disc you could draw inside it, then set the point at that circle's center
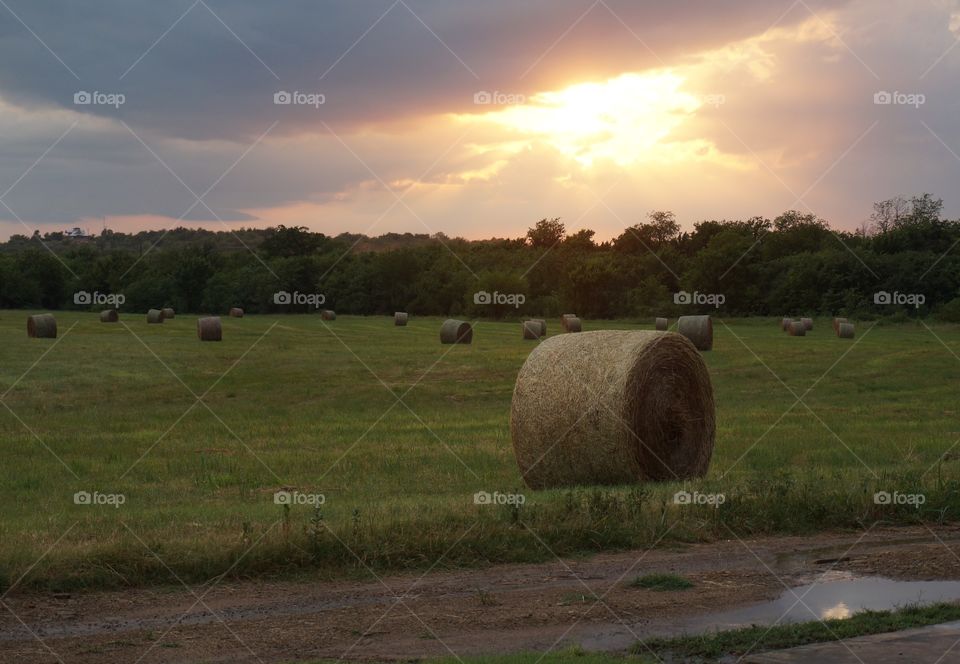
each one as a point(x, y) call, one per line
point(42, 326)
point(531, 329)
point(400, 318)
point(456, 332)
point(612, 407)
point(836, 324)
point(807, 323)
point(168, 313)
point(785, 324)
point(155, 316)
point(543, 326)
point(698, 329)
point(209, 329)
point(797, 329)
point(328, 314)
point(109, 316)
point(661, 324)
point(563, 320)
point(574, 325)
point(236, 312)
point(845, 330)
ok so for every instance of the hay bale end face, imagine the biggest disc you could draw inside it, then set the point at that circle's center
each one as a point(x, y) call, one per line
point(612, 407)
point(798, 329)
point(845, 330)
point(543, 326)
point(168, 313)
point(563, 320)
point(209, 329)
point(155, 316)
point(400, 318)
point(785, 324)
point(328, 314)
point(531, 329)
point(456, 332)
point(661, 324)
point(236, 312)
point(573, 325)
point(807, 323)
point(698, 329)
point(836, 324)
point(42, 326)
point(109, 316)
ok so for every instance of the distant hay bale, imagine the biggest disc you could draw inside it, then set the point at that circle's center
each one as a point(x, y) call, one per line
point(456, 332)
point(785, 324)
point(661, 324)
point(612, 407)
point(563, 320)
point(531, 329)
point(797, 329)
point(573, 325)
point(836, 324)
point(209, 329)
point(109, 316)
point(236, 312)
point(42, 326)
point(698, 329)
point(400, 318)
point(168, 313)
point(543, 326)
point(328, 314)
point(845, 330)
point(807, 323)
point(155, 316)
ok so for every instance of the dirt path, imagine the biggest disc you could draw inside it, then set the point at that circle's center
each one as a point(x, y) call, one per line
point(506, 608)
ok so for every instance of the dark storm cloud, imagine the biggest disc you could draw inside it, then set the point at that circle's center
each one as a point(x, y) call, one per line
point(210, 79)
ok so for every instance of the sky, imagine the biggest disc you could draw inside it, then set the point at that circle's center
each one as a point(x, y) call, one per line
point(473, 119)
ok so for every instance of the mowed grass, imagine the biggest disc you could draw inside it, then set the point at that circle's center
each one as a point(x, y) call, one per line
point(398, 432)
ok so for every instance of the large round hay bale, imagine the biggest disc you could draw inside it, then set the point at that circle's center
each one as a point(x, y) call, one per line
point(236, 312)
point(531, 329)
point(573, 325)
point(209, 329)
point(698, 329)
point(328, 314)
point(797, 329)
point(785, 324)
point(400, 318)
point(109, 316)
point(807, 323)
point(168, 313)
point(612, 407)
point(563, 320)
point(836, 324)
point(155, 316)
point(456, 332)
point(42, 326)
point(845, 330)
point(661, 324)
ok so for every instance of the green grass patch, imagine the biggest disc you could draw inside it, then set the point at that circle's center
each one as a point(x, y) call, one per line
point(709, 647)
point(661, 582)
point(291, 403)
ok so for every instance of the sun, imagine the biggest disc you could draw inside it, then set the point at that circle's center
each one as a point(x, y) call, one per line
point(624, 119)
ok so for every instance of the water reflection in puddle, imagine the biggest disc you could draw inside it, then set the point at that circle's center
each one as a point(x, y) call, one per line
point(833, 599)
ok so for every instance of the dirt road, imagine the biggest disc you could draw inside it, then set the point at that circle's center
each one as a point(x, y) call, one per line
point(505, 608)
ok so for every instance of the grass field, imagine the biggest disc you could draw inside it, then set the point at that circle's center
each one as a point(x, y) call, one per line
point(293, 402)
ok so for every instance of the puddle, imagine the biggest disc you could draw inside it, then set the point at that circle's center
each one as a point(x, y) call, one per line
point(832, 598)
point(836, 595)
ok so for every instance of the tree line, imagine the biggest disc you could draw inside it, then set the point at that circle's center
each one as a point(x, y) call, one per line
point(903, 263)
